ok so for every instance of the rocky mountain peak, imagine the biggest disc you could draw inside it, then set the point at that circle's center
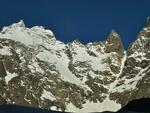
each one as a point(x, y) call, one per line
point(113, 37)
point(113, 43)
point(143, 39)
point(19, 24)
point(15, 26)
point(114, 33)
point(36, 35)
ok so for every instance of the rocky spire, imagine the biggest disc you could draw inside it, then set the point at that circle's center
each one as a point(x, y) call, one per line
point(114, 33)
point(142, 43)
point(113, 43)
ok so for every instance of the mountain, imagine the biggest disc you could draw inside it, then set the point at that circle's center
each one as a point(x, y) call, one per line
point(37, 70)
point(134, 83)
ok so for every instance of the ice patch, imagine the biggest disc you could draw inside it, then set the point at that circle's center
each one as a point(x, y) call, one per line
point(47, 95)
point(10, 76)
point(5, 51)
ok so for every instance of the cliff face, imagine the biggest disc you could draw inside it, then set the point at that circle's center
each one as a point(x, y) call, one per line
point(38, 70)
point(133, 83)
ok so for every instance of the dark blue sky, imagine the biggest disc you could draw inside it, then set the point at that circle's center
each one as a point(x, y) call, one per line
point(86, 20)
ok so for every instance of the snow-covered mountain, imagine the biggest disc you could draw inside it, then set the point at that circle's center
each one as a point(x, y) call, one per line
point(38, 70)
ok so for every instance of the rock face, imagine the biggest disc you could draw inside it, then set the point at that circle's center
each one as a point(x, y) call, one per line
point(133, 83)
point(38, 70)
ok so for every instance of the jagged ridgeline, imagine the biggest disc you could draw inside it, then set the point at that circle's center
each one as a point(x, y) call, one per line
point(38, 70)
